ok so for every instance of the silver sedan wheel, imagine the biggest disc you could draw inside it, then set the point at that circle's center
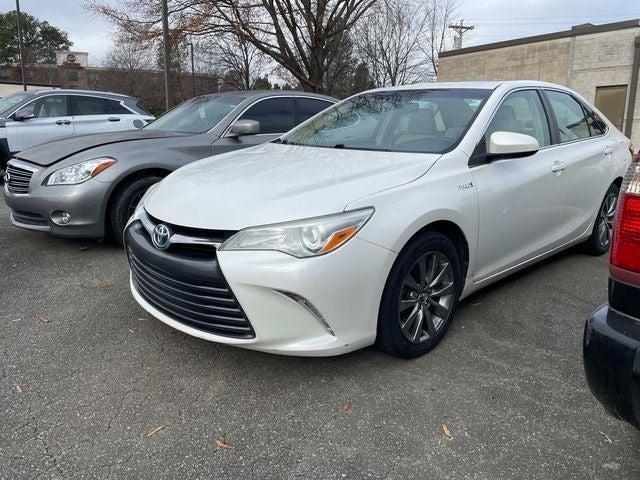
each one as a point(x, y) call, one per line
point(426, 297)
point(606, 218)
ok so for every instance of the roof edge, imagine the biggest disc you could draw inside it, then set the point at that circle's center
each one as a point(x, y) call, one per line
point(575, 31)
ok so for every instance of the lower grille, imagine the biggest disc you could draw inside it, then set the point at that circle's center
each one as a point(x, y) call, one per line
point(29, 218)
point(18, 179)
point(202, 300)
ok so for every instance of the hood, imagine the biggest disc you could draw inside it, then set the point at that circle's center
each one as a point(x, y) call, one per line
point(274, 183)
point(51, 152)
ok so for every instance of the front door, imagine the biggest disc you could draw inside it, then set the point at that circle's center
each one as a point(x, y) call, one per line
point(49, 120)
point(519, 198)
point(275, 116)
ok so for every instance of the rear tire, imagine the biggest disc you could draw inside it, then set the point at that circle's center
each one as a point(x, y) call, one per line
point(125, 203)
point(600, 240)
point(421, 296)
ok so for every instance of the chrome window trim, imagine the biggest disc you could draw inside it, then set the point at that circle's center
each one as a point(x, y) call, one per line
point(82, 94)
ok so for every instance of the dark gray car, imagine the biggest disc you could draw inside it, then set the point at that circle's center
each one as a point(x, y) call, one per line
point(89, 185)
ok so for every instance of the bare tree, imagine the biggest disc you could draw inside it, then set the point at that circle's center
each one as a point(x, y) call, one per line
point(437, 38)
point(130, 56)
point(390, 41)
point(305, 37)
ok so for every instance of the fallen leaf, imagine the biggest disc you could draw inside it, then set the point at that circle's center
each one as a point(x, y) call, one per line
point(142, 319)
point(446, 431)
point(19, 389)
point(222, 444)
point(346, 406)
point(84, 249)
point(100, 283)
point(154, 431)
point(606, 437)
point(131, 331)
point(43, 319)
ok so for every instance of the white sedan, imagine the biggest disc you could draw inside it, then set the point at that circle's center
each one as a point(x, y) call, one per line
point(372, 220)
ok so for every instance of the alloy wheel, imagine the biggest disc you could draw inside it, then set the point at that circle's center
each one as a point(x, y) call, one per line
point(426, 297)
point(606, 219)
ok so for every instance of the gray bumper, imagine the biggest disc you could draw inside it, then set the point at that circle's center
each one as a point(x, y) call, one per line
point(84, 202)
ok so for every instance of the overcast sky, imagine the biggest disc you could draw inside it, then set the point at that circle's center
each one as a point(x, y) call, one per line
point(494, 20)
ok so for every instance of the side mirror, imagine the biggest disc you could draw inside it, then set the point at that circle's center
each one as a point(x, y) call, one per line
point(24, 114)
point(511, 144)
point(243, 127)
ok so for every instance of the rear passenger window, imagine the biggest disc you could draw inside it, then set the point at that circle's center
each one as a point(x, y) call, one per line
point(596, 124)
point(572, 123)
point(308, 107)
point(86, 105)
point(274, 114)
point(522, 112)
point(114, 107)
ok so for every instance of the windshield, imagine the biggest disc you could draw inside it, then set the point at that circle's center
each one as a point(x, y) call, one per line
point(426, 121)
point(10, 100)
point(195, 116)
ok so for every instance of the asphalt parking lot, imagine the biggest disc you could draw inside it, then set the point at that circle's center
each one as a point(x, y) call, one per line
point(93, 387)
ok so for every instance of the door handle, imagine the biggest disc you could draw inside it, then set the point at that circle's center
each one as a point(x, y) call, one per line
point(558, 167)
point(114, 119)
point(63, 122)
point(609, 148)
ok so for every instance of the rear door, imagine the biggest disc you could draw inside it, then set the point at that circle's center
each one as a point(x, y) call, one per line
point(96, 115)
point(275, 116)
point(585, 150)
point(50, 120)
point(519, 198)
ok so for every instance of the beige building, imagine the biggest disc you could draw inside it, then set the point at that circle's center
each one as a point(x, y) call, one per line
point(601, 62)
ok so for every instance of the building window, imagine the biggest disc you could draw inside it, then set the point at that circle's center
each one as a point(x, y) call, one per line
point(611, 101)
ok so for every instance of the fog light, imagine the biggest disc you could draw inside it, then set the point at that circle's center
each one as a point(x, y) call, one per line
point(61, 218)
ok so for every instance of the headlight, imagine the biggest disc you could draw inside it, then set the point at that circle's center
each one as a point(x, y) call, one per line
point(302, 238)
point(80, 172)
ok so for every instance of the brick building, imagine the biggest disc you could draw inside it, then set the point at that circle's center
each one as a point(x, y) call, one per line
point(72, 71)
point(601, 62)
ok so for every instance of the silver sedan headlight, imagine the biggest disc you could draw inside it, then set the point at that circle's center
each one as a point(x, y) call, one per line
point(302, 238)
point(80, 172)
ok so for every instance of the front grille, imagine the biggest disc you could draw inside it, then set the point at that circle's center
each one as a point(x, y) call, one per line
point(19, 179)
point(29, 218)
point(189, 290)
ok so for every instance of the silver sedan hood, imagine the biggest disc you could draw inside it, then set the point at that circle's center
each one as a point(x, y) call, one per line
point(273, 183)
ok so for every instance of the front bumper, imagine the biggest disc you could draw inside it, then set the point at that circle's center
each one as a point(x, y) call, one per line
point(84, 202)
point(611, 351)
point(319, 306)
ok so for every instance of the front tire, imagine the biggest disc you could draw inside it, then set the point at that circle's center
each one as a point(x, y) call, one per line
point(600, 240)
point(421, 296)
point(125, 203)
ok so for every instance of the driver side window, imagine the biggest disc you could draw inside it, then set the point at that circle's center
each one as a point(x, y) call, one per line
point(47, 107)
point(521, 112)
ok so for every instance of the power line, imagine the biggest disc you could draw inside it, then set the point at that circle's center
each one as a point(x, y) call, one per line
point(637, 14)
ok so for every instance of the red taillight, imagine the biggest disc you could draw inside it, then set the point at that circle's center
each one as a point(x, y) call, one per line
point(625, 249)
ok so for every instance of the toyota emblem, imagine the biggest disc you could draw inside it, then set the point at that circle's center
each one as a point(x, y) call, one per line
point(161, 236)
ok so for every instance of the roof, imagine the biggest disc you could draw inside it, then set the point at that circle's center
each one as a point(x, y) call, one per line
point(576, 31)
point(87, 92)
point(482, 85)
point(271, 93)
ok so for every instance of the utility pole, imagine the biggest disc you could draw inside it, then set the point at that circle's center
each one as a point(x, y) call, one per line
point(24, 80)
point(193, 72)
point(460, 29)
point(167, 53)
